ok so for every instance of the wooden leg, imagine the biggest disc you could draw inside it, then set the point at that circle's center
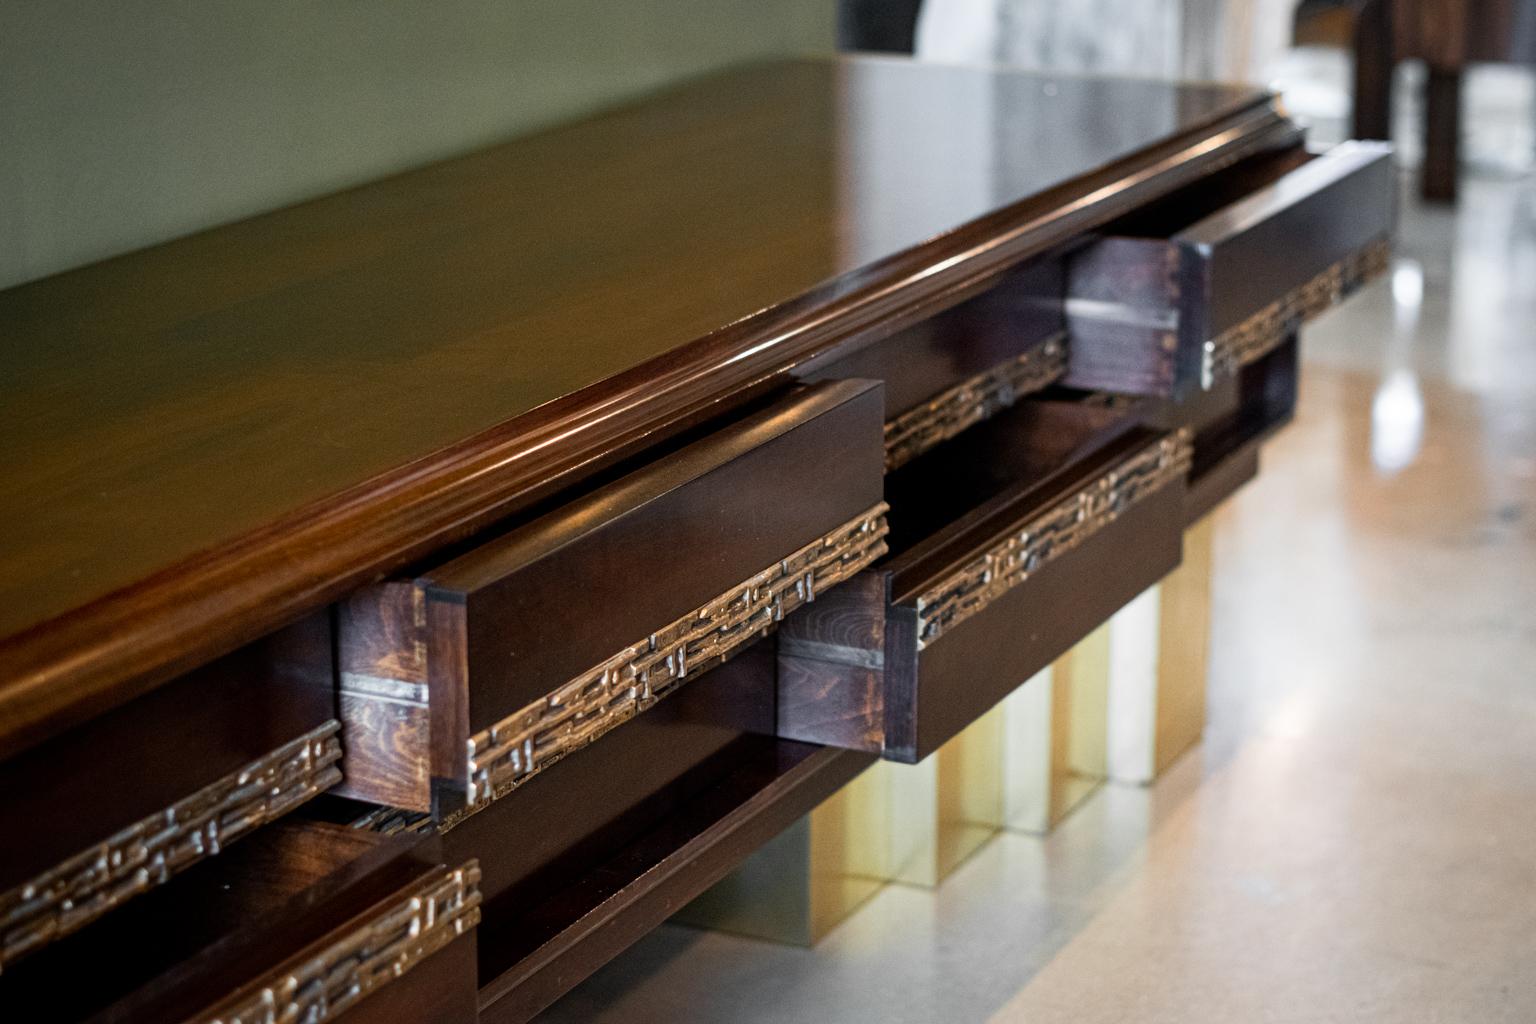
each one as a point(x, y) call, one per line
point(1442, 134)
point(877, 26)
point(1373, 70)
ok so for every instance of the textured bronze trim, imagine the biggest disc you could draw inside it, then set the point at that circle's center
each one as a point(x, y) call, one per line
point(147, 853)
point(1031, 544)
point(393, 821)
point(323, 986)
point(578, 712)
point(1267, 329)
point(973, 400)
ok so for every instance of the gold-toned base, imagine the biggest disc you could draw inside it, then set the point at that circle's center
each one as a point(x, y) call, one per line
point(810, 877)
point(1158, 654)
point(946, 807)
point(912, 824)
point(1055, 747)
point(1123, 704)
point(1024, 765)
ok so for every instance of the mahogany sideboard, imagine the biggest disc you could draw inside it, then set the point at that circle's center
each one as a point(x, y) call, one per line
point(433, 586)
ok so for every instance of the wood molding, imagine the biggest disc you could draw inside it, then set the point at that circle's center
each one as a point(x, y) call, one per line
point(62, 671)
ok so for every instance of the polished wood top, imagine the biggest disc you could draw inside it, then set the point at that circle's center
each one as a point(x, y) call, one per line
point(204, 439)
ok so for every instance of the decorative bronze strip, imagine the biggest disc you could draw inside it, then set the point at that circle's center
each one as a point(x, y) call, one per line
point(578, 712)
point(1048, 535)
point(147, 853)
point(1265, 330)
point(400, 936)
point(393, 821)
point(973, 400)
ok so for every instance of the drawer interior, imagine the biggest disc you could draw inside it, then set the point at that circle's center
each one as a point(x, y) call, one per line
point(1194, 203)
point(231, 920)
point(1174, 297)
point(535, 951)
point(1019, 311)
point(958, 497)
point(118, 805)
point(1009, 543)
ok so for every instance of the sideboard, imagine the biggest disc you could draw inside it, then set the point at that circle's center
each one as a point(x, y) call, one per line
point(431, 587)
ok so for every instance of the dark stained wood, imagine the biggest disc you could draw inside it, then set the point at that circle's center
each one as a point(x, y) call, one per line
point(530, 959)
point(551, 600)
point(1018, 312)
point(852, 674)
point(845, 627)
point(449, 682)
point(1230, 423)
point(381, 695)
point(1227, 446)
point(1371, 35)
point(87, 785)
point(1052, 450)
point(1442, 134)
point(211, 438)
point(550, 832)
point(388, 751)
point(1280, 237)
point(221, 926)
point(1144, 301)
point(513, 619)
point(959, 497)
point(439, 990)
point(515, 412)
point(989, 655)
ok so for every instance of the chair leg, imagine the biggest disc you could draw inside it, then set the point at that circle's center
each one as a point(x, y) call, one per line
point(1373, 70)
point(1442, 134)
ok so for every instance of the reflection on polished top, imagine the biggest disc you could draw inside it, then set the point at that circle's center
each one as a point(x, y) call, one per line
point(160, 405)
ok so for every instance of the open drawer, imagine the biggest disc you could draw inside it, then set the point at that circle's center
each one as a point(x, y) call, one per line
point(1009, 544)
point(119, 806)
point(629, 829)
point(1184, 293)
point(967, 363)
point(461, 684)
point(304, 921)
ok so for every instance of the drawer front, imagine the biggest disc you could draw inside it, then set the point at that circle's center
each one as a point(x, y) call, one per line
point(120, 806)
point(968, 363)
point(304, 921)
point(913, 651)
point(1168, 314)
point(464, 683)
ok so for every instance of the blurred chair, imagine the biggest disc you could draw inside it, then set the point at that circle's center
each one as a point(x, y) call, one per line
point(1446, 35)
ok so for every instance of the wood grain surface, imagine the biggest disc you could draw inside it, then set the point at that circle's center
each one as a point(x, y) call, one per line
point(209, 438)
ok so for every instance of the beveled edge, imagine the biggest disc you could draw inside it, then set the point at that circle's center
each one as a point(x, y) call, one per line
point(64, 670)
point(147, 853)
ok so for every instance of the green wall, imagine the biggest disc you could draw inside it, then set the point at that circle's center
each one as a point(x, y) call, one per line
point(126, 123)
